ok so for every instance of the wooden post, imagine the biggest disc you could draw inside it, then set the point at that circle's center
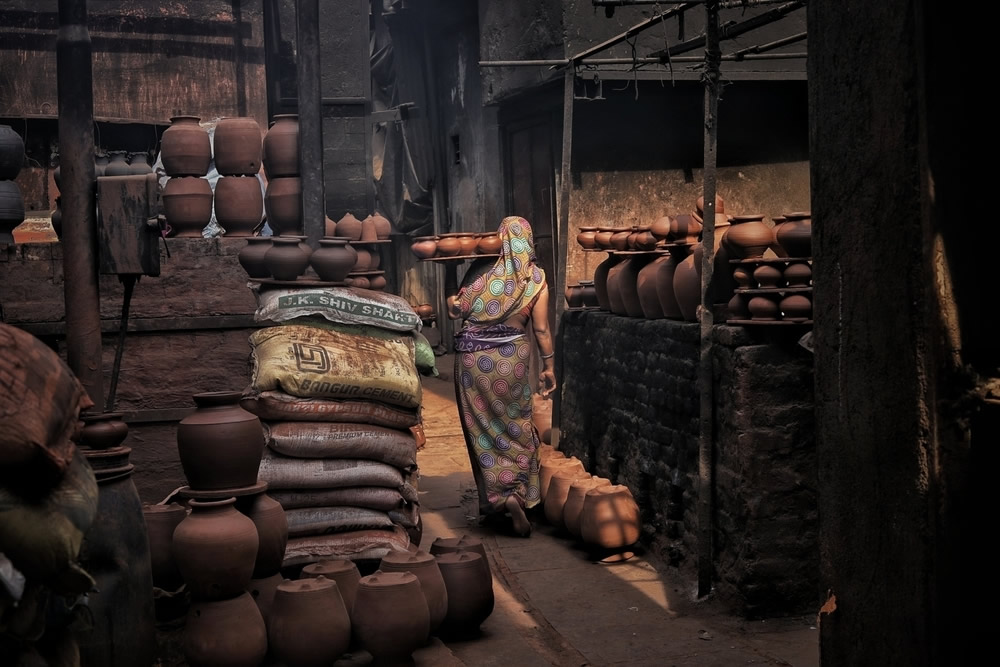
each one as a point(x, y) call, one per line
point(562, 234)
point(310, 120)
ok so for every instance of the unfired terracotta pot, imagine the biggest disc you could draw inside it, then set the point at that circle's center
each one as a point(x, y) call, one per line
point(424, 247)
point(587, 237)
point(470, 594)
point(684, 227)
point(615, 302)
point(573, 507)
point(285, 260)
point(588, 293)
point(391, 619)
point(309, 625)
point(628, 283)
point(185, 147)
point(251, 257)
point(763, 308)
point(603, 237)
point(102, 431)
point(601, 281)
point(767, 276)
point(383, 228)
point(349, 227)
point(344, 572)
point(239, 204)
point(280, 147)
point(369, 233)
point(187, 205)
point(214, 548)
point(224, 633)
point(551, 466)
point(797, 274)
point(220, 444)
point(795, 308)
point(794, 234)
point(720, 205)
point(748, 236)
point(737, 307)
point(283, 204)
point(661, 228)
point(468, 243)
point(333, 260)
point(425, 566)
point(646, 287)
point(610, 517)
point(449, 245)
point(558, 491)
point(269, 517)
point(489, 244)
point(237, 146)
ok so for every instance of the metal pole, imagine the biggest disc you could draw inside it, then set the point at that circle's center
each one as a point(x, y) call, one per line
point(74, 79)
point(706, 459)
point(310, 120)
point(562, 241)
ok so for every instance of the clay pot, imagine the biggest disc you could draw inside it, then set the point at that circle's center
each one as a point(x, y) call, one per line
point(280, 147)
point(187, 205)
point(101, 163)
point(628, 283)
point(601, 281)
point(737, 307)
point(251, 257)
point(117, 165)
point(631, 242)
point(665, 283)
point(268, 516)
point(546, 452)
point(103, 431)
point(224, 633)
point(551, 467)
point(424, 311)
point(161, 521)
point(574, 296)
point(448, 245)
point(615, 303)
point(587, 238)
point(743, 276)
point(283, 204)
point(489, 244)
point(573, 507)
point(619, 239)
point(588, 293)
point(797, 274)
point(425, 566)
point(262, 591)
point(220, 444)
point(309, 624)
point(285, 260)
point(610, 517)
point(645, 240)
point(794, 234)
point(359, 282)
point(391, 619)
point(558, 491)
point(603, 237)
point(11, 153)
point(368, 232)
point(239, 204)
point(334, 259)
point(344, 572)
point(383, 228)
point(776, 247)
point(185, 147)
point(424, 247)
point(349, 227)
point(139, 164)
point(748, 237)
point(214, 548)
point(661, 228)
point(447, 545)
point(377, 283)
point(468, 244)
point(541, 416)
point(684, 228)
point(470, 594)
point(687, 286)
point(362, 259)
point(646, 288)
point(767, 276)
point(795, 308)
point(238, 146)
point(720, 205)
point(763, 308)
point(11, 210)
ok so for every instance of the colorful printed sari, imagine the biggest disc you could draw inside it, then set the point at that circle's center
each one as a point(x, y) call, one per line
point(491, 372)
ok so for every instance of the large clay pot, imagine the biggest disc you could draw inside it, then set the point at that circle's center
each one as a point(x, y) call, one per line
point(187, 205)
point(646, 288)
point(161, 521)
point(224, 633)
point(776, 247)
point(748, 236)
point(628, 283)
point(391, 619)
point(251, 257)
point(283, 204)
point(687, 286)
point(349, 227)
point(139, 164)
point(489, 244)
point(552, 466)
point(684, 228)
point(262, 591)
point(470, 594)
point(573, 507)
point(185, 147)
point(615, 301)
point(269, 517)
point(285, 260)
point(445, 545)
point(610, 517)
point(333, 260)
point(541, 416)
point(237, 146)
point(280, 147)
point(11, 153)
point(588, 293)
point(102, 431)
point(425, 566)
point(794, 235)
point(220, 444)
point(117, 165)
point(344, 572)
point(587, 238)
point(424, 247)
point(239, 204)
point(558, 491)
point(601, 281)
point(214, 548)
point(11, 210)
point(309, 625)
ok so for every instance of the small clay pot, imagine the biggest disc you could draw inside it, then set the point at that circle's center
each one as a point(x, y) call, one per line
point(309, 625)
point(377, 283)
point(737, 307)
point(344, 572)
point(767, 276)
point(334, 259)
point(368, 232)
point(720, 205)
point(424, 311)
point(285, 260)
point(468, 243)
point(645, 240)
point(763, 308)
point(795, 308)
point(794, 234)
point(359, 282)
point(684, 228)
point(362, 260)
point(251, 257)
point(603, 237)
point(489, 244)
point(138, 164)
point(587, 238)
point(425, 566)
point(103, 431)
point(574, 296)
point(349, 227)
point(661, 227)
point(424, 247)
point(449, 245)
point(391, 618)
point(619, 239)
point(383, 228)
point(743, 276)
point(797, 274)
point(748, 237)
point(588, 293)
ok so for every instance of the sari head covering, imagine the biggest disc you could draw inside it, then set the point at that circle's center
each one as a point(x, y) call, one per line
point(511, 284)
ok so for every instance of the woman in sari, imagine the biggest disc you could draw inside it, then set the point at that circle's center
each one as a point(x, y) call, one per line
point(497, 301)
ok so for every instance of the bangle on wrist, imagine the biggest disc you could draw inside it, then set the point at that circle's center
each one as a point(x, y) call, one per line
point(546, 356)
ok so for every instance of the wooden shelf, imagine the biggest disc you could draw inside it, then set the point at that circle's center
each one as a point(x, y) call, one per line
point(773, 290)
point(458, 258)
point(787, 323)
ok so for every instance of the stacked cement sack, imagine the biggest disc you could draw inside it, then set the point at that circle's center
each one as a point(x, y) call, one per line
point(337, 387)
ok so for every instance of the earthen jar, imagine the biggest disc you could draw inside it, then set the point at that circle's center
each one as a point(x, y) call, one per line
point(424, 311)
point(309, 625)
point(610, 517)
point(603, 237)
point(101, 163)
point(138, 164)
point(776, 247)
point(558, 491)
point(748, 236)
point(743, 276)
point(767, 276)
point(448, 245)
point(11, 153)
point(720, 205)
point(468, 243)
point(425, 566)
point(619, 240)
point(185, 147)
point(588, 293)
point(546, 452)
point(329, 227)
point(359, 282)
point(280, 147)
point(283, 204)
point(573, 507)
point(684, 228)
point(587, 238)
point(646, 287)
point(797, 274)
point(541, 415)
point(470, 594)
point(489, 244)
point(737, 307)
point(285, 260)
point(391, 618)
point(444, 545)
point(601, 281)
point(369, 233)
point(220, 444)
point(661, 228)
point(224, 633)
point(334, 259)
point(251, 257)
point(262, 591)
point(615, 301)
point(362, 259)
point(239, 204)
point(795, 308)
point(665, 283)
point(763, 308)
point(238, 146)
point(161, 521)
point(187, 205)
point(102, 431)
point(574, 296)
point(214, 548)
point(645, 240)
point(117, 165)
point(794, 235)
point(349, 227)
point(383, 228)
point(269, 517)
point(377, 283)
point(630, 243)
point(424, 247)
point(344, 572)
point(628, 284)
point(551, 466)
point(687, 286)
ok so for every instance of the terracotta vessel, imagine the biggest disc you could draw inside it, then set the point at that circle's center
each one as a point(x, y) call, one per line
point(645, 240)
point(280, 147)
point(550, 467)
point(262, 591)
point(102, 431)
point(333, 260)
point(344, 572)
point(646, 285)
point(377, 283)
point(139, 164)
point(283, 204)
point(615, 302)
point(661, 227)
point(767, 276)
point(619, 239)
point(220, 444)
point(687, 285)
point(632, 237)
point(470, 594)
point(794, 235)
point(720, 205)
point(628, 283)
point(117, 164)
point(601, 281)
point(743, 276)
point(368, 232)
point(251, 257)
point(489, 244)
point(603, 237)
point(763, 308)
point(349, 227)
point(359, 282)
point(797, 274)
point(573, 507)
point(309, 625)
point(161, 521)
point(383, 228)
point(11, 153)
point(448, 245)
point(362, 259)
point(588, 293)
point(425, 566)
point(214, 548)
point(541, 416)
point(268, 516)
point(468, 244)
point(776, 247)
point(238, 146)
point(610, 517)
point(574, 296)
point(185, 147)
point(224, 633)
point(187, 205)
point(447, 545)
point(738, 308)
point(795, 308)
point(391, 619)
point(424, 247)
point(424, 311)
point(239, 204)
point(684, 227)
point(285, 260)
point(748, 237)
point(558, 491)
point(587, 238)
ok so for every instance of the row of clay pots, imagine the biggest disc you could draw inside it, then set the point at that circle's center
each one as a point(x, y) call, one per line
point(773, 274)
point(369, 230)
point(186, 149)
point(288, 257)
point(188, 203)
point(456, 244)
point(582, 295)
point(786, 307)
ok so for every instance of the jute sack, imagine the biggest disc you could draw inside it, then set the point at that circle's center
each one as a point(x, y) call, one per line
point(285, 472)
point(336, 304)
point(373, 497)
point(311, 362)
point(316, 440)
point(326, 520)
point(279, 406)
point(366, 545)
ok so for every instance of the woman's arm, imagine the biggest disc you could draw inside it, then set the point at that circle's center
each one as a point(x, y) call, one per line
point(454, 308)
point(546, 347)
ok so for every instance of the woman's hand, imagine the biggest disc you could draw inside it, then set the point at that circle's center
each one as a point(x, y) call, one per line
point(547, 382)
point(454, 308)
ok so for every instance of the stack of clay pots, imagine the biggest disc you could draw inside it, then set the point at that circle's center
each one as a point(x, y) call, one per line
point(11, 201)
point(367, 237)
point(186, 154)
point(239, 201)
point(283, 197)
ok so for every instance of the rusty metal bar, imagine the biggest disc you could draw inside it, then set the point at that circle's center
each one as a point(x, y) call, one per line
point(310, 120)
point(74, 81)
point(733, 30)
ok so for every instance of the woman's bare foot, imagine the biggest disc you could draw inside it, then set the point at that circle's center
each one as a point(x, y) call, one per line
point(521, 524)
